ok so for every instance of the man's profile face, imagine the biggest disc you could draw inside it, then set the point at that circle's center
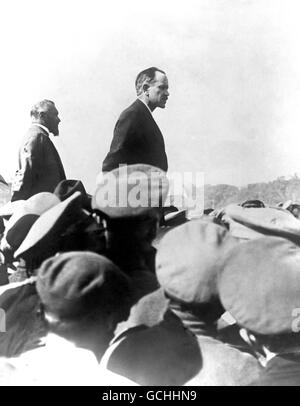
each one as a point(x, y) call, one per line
point(158, 91)
point(51, 119)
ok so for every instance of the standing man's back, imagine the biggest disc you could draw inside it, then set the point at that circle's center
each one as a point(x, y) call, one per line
point(137, 138)
point(40, 167)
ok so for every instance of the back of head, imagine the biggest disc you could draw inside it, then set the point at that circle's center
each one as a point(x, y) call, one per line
point(41, 108)
point(260, 285)
point(76, 285)
point(188, 261)
point(145, 77)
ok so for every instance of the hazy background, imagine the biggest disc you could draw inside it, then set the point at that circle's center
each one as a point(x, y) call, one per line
point(233, 69)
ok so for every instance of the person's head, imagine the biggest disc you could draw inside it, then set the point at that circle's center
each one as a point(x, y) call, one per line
point(295, 210)
point(259, 287)
point(44, 112)
point(83, 295)
point(131, 200)
point(188, 261)
point(152, 87)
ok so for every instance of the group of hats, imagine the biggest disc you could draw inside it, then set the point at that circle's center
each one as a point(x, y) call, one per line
point(128, 191)
point(260, 281)
point(255, 222)
point(257, 281)
point(33, 222)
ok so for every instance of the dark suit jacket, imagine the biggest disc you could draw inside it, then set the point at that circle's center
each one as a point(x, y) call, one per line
point(137, 139)
point(40, 167)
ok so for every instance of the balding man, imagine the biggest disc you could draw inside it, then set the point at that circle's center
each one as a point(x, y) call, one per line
point(40, 167)
point(137, 138)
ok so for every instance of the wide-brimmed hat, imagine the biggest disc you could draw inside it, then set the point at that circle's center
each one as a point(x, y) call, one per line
point(259, 285)
point(9, 208)
point(130, 191)
point(25, 215)
point(73, 284)
point(189, 258)
point(48, 227)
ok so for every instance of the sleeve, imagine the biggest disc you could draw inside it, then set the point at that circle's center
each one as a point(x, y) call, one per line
point(31, 158)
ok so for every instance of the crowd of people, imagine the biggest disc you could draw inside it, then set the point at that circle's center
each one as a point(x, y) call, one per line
point(136, 293)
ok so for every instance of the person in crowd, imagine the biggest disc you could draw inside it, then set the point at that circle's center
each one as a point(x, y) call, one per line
point(137, 138)
point(188, 261)
point(64, 226)
point(132, 219)
point(40, 167)
point(82, 297)
point(260, 287)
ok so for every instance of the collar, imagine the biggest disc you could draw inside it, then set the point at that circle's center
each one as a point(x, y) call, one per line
point(41, 126)
point(145, 105)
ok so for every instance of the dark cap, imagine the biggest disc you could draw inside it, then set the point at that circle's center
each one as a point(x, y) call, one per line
point(77, 283)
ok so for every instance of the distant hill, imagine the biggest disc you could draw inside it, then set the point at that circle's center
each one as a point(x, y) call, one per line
point(271, 193)
point(218, 196)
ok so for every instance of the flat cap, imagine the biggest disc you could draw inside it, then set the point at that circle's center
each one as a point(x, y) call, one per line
point(73, 284)
point(260, 284)
point(189, 259)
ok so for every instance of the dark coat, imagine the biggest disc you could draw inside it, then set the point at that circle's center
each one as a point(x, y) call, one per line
point(19, 304)
point(165, 354)
point(40, 167)
point(137, 140)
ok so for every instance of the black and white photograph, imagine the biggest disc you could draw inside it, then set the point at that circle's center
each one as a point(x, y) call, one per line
point(150, 195)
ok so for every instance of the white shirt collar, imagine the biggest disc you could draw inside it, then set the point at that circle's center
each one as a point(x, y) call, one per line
point(41, 126)
point(145, 105)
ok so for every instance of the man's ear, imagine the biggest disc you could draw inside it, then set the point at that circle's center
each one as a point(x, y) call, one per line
point(42, 115)
point(146, 88)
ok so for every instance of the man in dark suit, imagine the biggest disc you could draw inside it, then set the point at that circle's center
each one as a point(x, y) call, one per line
point(137, 138)
point(40, 167)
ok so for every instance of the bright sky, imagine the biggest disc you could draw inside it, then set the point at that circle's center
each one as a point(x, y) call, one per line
point(233, 69)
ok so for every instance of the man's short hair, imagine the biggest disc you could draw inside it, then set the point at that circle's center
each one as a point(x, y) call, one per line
point(40, 107)
point(146, 76)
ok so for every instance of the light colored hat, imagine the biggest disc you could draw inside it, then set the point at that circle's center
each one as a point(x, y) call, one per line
point(266, 220)
point(50, 224)
point(130, 191)
point(36, 204)
point(9, 208)
point(260, 284)
point(189, 258)
point(25, 216)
